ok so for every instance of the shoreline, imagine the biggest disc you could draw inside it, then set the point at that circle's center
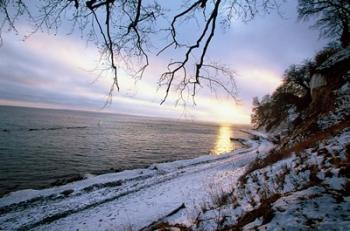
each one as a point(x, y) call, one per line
point(38, 208)
point(81, 177)
point(74, 177)
point(56, 147)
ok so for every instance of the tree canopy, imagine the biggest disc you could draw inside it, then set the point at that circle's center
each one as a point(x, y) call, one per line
point(332, 17)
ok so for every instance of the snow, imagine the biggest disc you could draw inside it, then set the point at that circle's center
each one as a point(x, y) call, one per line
point(130, 200)
point(308, 209)
point(292, 114)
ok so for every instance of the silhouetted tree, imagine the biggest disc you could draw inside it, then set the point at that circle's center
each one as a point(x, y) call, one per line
point(333, 17)
point(326, 53)
point(297, 78)
point(125, 29)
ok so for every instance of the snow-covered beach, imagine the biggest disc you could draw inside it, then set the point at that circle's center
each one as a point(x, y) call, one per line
point(131, 199)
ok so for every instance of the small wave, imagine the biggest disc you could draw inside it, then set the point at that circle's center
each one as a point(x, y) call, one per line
point(55, 128)
point(42, 129)
point(67, 179)
point(83, 127)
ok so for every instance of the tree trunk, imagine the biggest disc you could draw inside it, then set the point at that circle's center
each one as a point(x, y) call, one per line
point(345, 36)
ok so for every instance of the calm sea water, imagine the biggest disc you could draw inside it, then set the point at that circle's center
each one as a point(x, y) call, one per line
point(42, 147)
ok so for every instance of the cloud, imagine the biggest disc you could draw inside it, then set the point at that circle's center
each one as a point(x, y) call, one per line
point(60, 71)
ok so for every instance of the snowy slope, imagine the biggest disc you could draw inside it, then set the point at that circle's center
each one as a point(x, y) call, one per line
point(310, 190)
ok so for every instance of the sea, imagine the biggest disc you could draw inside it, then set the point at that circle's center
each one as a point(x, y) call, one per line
point(45, 147)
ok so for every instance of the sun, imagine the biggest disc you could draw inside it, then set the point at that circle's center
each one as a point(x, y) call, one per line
point(229, 113)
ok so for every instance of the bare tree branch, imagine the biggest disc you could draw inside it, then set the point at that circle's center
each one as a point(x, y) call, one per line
point(130, 26)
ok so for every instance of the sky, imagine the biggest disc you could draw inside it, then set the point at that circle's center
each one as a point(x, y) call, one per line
point(59, 70)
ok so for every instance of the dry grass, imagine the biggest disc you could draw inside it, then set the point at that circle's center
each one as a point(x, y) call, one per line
point(264, 210)
point(283, 153)
point(313, 179)
point(282, 176)
point(164, 226)
point(220, 198)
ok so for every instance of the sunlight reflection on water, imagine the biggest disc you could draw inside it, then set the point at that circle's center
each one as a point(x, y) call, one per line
point(223, 143)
